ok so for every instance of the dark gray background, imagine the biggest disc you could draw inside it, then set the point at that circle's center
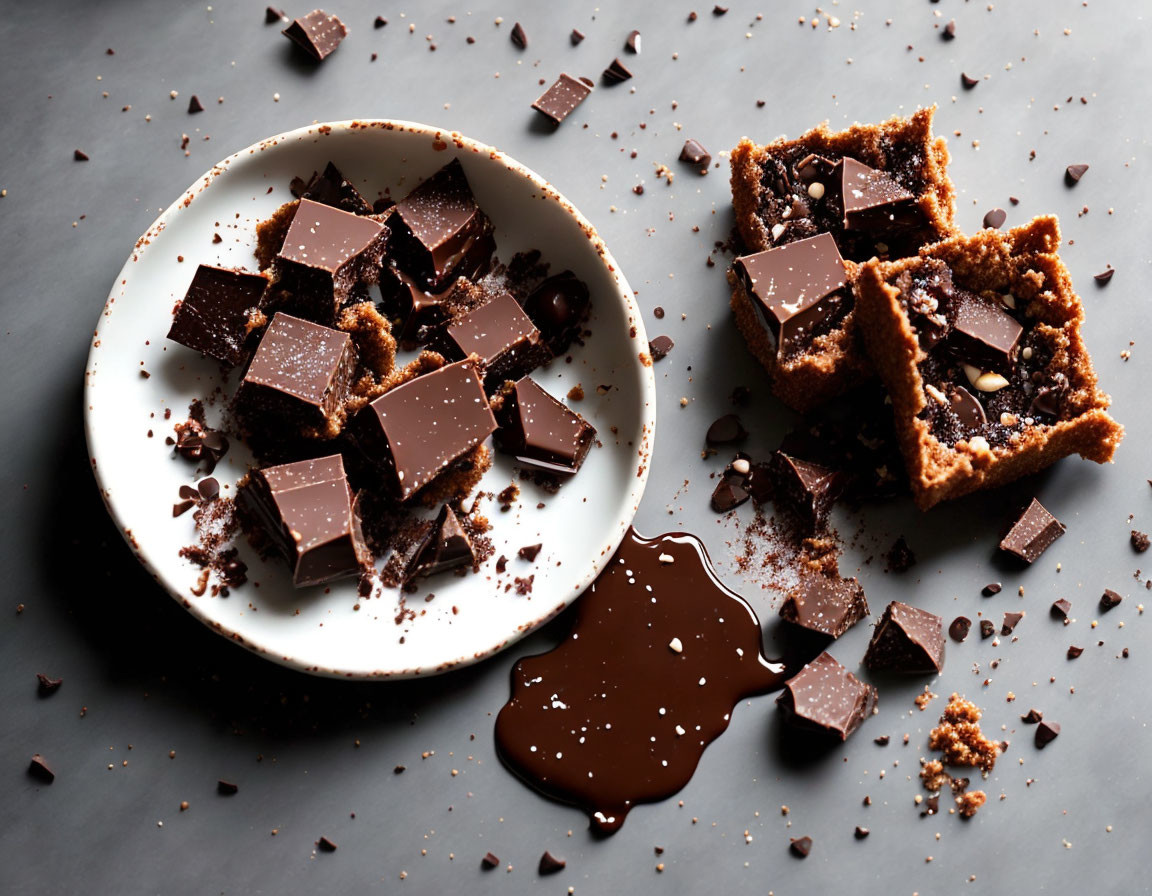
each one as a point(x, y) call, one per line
point(307, 753)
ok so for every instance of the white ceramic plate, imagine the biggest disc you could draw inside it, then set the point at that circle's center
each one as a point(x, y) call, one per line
point(316, 629)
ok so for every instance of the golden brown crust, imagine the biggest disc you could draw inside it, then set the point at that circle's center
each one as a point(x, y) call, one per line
point(1023, 262)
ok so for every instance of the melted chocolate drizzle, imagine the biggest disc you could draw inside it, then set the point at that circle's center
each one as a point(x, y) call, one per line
point(621, 711)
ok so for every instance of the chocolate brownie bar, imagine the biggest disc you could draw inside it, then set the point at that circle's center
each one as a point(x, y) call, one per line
point(978, 342)
point(875, 190)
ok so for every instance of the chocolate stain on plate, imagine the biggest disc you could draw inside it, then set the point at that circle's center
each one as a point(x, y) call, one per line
point(621, 711)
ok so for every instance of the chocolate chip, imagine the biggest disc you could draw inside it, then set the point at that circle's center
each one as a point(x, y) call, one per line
point(725, 430)
point(616, 72)
point(696, 155)
point(208, 488)
point(326, 845)
point(900, 557)
point(1033, 533)
point(550, 864)
point(529, 552)
point(1109, 599)
point(990, 589)
point(1061, 608)
point(987, 628)
point(47, 686)
point(882, 740)
point(273, 15)
point(949, 32)
point(194, 105)
point(658, 313)
point(226, 788)
point(800, 847)
point(727, 496)
point(959, 628)
point(995, 218)
point(80, 156)
point(576, 37)
point(719, 11)
point(1074, 652)
point(1104, 276)
point(489, 861)
point(1011, 620)
point(518, 36)
point(38, 768)
point(659, 347)
point(1046, 732)
point(633, 42)
point(861, 833)
point(968, 81)
point(1073, 173)
point(1140, 541)
point(501, 563)
point(399, 770)
point(1032, 717)
point(380, 22)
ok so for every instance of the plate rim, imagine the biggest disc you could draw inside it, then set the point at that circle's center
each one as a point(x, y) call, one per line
point(625, 294)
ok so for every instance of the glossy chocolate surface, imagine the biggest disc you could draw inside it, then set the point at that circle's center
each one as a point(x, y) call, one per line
point(502, 336)
point(541, 431)
point(906, 639)
point(826, 698)
point(214, 317)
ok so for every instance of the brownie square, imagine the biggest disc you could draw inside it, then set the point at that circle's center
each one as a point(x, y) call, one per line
point(978, 342)
point(219, 311)
point(298, 379)
point(500, 334)
point(878, 190)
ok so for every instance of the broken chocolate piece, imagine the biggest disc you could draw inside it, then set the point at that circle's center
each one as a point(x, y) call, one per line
point(317, 34)
point(1140, 541)
point(1109, 599)
point(558, 308)
point(1073, 173)
point(696, 155)
point(550, 864)
point(900, 557)
point(1033, 533)
point(1011, 620)
point(725, 430)
point(659, 347)
point(1032, 717)
point(226, 788)
point(870, 200)
point(216, 314)
point(959, 628)
point(799, 846)
point(331, 187)
point(861, 833)
point(489, 861)
point(502, 336)
point(518, 37)
point(908, 640)
point(540, 431)
point(967, 408)
point(558, 101)
point(1104, 276)
point(806, 491)
point(326, 845)
point(38, 768)
point(47, 686)
point(995, 218)
point(987, 628)
point(825, 697)
point(1061, 608)
point(577, 36)
point(1046, 732)
point(79, 155)
point(616, 72)
point(949, 32)
point(982, 334)
point(445, 546)
point(968, 81)
point(826, 604)
point(194, 105)
point(1074, 652)
point(990, 589)
point(530, 552)
point(273, 15)
point(633, 42)
point(727, 496)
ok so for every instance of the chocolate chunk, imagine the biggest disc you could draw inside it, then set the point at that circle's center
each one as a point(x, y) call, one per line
point(826, 698)
point(1104, 276)
point(968, 81)
point(907, 640)
point(727, 496)
point(79, 155)
point(47, 686)
point(1048, 400)
point(967, 408)
point(194, 105)
point(861, 833)
point(1074, 652)
point(1046, 732)
point(331, 187)
point(442, 229)
point(216, 314)
point(1011, 620)
point(869, 200)
point(1033, 533)
point(696, 155)
point(501, 563)
point(1073, 173)
point(616, 72)
point(550, 864)
point(719, 11)
point(576, 36)
point(659, 347)
point(900, 557)
point(987, 628)
point(529, 552)
point(959, 628)
point(326, 845)
point(1140, 541)
point(1061, 608)
point(1109, 599)
point(795, 288)
point(995, 218)
point(632, 42)
point(882, 740)
point(489, 861)
point(1032, 717)
point(306, 512)
point(949, 32)
point(990, 589)
point(518, 37)
point(379, 22)
point(273, 15)
point(299, 376)
point(445, 546)
point(38, 768)
point(826, 604)
point(726, 430)
point(503, 337)
point(540, 431)
point(416, 431)
point(226, 788)
point(317, 34)
point(799, 846)
point(558, 308)
point(558, 101)
point(983, 335)
point(804, 490)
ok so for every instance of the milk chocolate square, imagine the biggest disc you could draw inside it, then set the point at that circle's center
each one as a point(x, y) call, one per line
point(540, 431)
point(826, 698)
point(501, 335)
point(217, 312)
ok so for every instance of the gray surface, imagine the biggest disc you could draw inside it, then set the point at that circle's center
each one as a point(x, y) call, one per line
point(154, 681)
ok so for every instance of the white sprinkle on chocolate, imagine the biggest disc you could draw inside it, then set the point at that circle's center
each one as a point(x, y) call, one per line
point(666, 558)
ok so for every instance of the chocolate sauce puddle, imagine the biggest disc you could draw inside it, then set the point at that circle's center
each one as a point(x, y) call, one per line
point(621, 711)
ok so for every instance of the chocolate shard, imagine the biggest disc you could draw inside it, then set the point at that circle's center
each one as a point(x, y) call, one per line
point(967, 408)
point(1104, 276)
point(727, 496)
point(446, 546)
point(968, 81)
point(995, 218)
point(725, 431)
point(318, 34)
point(795, 288)
point(1074, 652)
point(489, 861)
point(1046, 732)
point(900, 557)
point(331, 187)
point(991, 589)
point(529, 552)
point(1032, 717)
point(416, 431)
point(306, 512)
point(217, 312)
point(38, 768)
point(826, 698)
point(442, 230)
point(987, 628)
point(194, 105)
point(1073, 173)
point(540, 431)
point(870, 201)
point(558, 307)
point(616, 72)
point(326, 845)
point(826, 604)
point(861, 833)
point(577, 36)
point(273, 15)
point(907, 640)
point(804, 490)
point(696, 155)
point(983, 335)
point(550, 864)
point(518, 36)
point(227, 788)
point(47, 686)
point(379, 22)
point(1011, 620)
point(1109, 599)
point(949, 32)
point(559, 100)
point(659, 347)
point(79, 155)
point(798, 846)
point(959, 628)
point(502, 336)
point(1033, 533)
point(1061, 608)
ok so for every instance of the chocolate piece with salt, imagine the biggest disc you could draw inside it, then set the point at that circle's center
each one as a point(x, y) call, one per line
point(1033, 533)
point(445, 546)
point(317, 33)
point(217, 312)
point(307, 512)
point(870, 200)
point(442, 232)
point(298, 377)
point(826, 604)
point(795, 288)
point(559, 100)
point(558, 307)
point(826, 698)
point(331, 187)
point(502, 336)
point(804, 490)
point(327, 253)
point(907, 640)
point(419, 429)
point(982, 334)
point(540, 431)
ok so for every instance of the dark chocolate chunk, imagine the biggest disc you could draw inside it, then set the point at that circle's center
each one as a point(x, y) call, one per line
point(1046, 732)
point(518, 37)
point(959, 628)
point(1074, 652)
point(558, 101)
point(1032, 717)
point(987, 628)
point(550, 864)
point(826, 698)
point(799, 846)
point(317, 34)
point(307, 513)
point(399, 770)
point(719, 11)
point(47, 686)
point(576, 36)
point(1048, 400)
point(540, 431)
point(1140, 541)
point(331, 187)
point(445, 546)
point(38, 768)
point(967, 408)
point(194, 105)
point(529, 552)
point(226, 788)
point(1104, 276)
point(990, 589)
point(1033, 533)
point(949, 32)
point(1061, 608)
point(900, 557)
point(882, 740)
point(659, 347)
point(727, 496)
point(558, 308)
point(503, 337)
point(326, 845)
point(861, 833)
point(696, 155)
point(417, 430)
point(870, 200)
point(489, 861)
point(795, 287)
point(299, 376)
point(379, 22)
point(1109, 599)
point(273, 15)
point(968, 81)
point(415, 313)
point(216, 314)
point(907, 640)
point(983, 335)
point(826, 604)
point(726, 430)
point(79, 155)
point(1073, 173)
point(995, 218)
point(804, 490)
point(633, 42)
point(616, 72)
point(1011, 620)
point(442, 229)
